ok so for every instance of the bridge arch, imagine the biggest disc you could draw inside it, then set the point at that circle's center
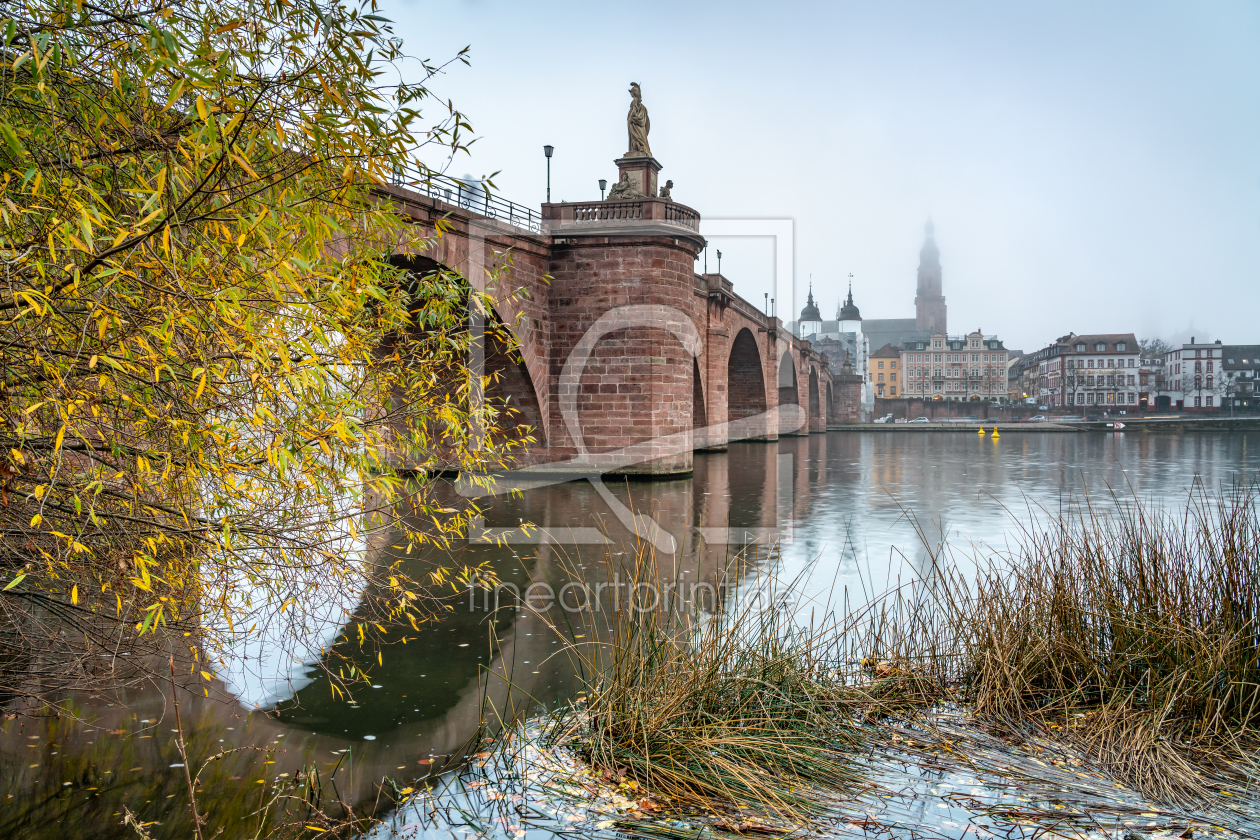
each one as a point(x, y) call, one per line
point(513, 386)
point(789, 394)
point(745, 384)
point(830, 413)
point(699, 413)
point(815, 411)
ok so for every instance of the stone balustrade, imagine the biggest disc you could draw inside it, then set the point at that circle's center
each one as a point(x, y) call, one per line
point(621, 212)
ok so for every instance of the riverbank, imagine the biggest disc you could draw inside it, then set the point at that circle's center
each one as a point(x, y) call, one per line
point(1134, 425)
point(1118, 647)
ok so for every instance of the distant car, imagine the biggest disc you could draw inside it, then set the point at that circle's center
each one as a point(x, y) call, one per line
point(920, 420)
point(1040, 418)
point(887, 418)
point(1094, 417)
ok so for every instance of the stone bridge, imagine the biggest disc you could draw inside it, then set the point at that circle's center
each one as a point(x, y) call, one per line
point(628, 360)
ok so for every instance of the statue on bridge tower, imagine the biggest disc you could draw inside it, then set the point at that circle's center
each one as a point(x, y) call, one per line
point(638, 123)
point(637, 170)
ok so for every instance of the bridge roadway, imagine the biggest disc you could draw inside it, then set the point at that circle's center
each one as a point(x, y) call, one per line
point(628, 360)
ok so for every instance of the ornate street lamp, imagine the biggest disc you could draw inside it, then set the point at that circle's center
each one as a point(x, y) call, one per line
point(547, 150)
point(603, 183)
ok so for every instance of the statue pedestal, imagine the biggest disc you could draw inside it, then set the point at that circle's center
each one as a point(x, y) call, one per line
point(642, 171)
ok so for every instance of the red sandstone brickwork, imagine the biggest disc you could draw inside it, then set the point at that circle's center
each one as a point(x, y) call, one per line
point(848, 398)
point(745, 381)
point(638, 384)
point(641, 384)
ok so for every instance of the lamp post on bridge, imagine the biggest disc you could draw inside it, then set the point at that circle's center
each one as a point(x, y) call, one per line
point(547, 150)
point(603, 182)
point(719, 255)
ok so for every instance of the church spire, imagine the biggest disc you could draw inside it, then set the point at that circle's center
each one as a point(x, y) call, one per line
point(929, 300)
point(849, 312)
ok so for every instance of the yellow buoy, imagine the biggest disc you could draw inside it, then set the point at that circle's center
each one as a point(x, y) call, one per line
point(982, 430)
point(995, 434)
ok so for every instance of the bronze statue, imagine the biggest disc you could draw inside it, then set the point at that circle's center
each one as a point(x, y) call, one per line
point(638, 124)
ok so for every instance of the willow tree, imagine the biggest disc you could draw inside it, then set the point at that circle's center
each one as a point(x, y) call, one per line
point(196, 409)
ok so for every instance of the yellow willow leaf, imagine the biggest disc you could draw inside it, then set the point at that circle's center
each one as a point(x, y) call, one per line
point(166, 240)
point(201, 387)
point(74, 594)
point(201, 109)
point(206, 676)
point(36, 519)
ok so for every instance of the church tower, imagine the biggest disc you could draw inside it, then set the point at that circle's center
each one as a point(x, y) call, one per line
point(929, 303)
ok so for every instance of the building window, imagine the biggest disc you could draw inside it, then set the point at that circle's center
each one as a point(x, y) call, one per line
point(1080, 348)
point(881, 377)
point(1120, 346)
point(1209, 367)
point(1091, 363)
point(892, 365)
point(936, 344)
point(1100, 347)
point(1196, 402)
point(892, 377)
point(881, 365)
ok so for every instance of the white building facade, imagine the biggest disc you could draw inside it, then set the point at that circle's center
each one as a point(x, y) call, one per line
point(1192, 376)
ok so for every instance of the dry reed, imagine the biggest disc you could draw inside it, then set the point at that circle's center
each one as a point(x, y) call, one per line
point(749, 708)
point(1132, 633)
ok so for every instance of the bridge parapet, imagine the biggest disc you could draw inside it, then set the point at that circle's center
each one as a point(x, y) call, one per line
point(563, 218)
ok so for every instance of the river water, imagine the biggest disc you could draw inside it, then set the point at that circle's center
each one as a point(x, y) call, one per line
point(849, 512)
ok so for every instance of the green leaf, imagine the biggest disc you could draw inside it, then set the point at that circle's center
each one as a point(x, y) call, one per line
point(11, 140)
point(14, 582)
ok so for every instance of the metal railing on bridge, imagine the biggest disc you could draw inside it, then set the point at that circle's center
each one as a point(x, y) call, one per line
point(473, 196)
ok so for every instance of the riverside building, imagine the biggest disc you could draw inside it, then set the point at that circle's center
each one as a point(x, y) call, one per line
point(1080, 371)
point(955, 367)
point(884, 369)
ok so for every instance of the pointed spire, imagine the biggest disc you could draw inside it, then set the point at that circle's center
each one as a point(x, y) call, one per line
point(929, 230)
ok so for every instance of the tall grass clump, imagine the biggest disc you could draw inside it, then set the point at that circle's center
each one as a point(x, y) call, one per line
point(747, 707)
point(1133, 632)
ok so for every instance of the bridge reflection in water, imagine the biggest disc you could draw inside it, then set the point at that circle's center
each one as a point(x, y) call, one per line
point(844, 507)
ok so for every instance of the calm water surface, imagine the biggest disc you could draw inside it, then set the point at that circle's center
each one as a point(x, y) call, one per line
point(845, 508)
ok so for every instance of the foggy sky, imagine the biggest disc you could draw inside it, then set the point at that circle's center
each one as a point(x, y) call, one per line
point(1090, 167)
